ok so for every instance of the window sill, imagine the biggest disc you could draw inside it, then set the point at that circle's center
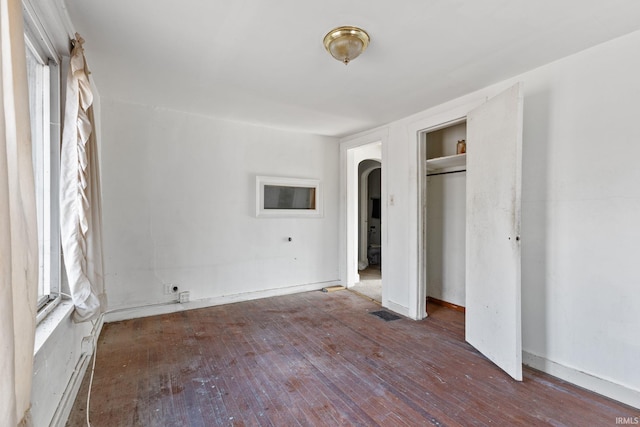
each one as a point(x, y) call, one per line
point(48, 325)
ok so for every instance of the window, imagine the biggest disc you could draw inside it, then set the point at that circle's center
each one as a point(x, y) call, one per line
point(288, 197)
point(292, 197)
point(43, 84)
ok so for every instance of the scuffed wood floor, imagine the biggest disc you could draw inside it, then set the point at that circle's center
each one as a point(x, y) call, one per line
point(316, 359)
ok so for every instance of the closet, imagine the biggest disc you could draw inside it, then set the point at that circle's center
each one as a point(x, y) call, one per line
point(445, 227)
point(469, 236)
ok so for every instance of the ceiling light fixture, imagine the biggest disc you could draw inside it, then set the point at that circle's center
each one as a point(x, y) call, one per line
point(346, 43)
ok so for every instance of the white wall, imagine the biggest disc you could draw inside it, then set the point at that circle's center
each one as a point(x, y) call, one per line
point(179, 207)
point(446, 222)
point(581, 205)
point(580, 233)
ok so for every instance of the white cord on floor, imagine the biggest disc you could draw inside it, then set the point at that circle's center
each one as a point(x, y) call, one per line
point(93, 365)
point(93, 368)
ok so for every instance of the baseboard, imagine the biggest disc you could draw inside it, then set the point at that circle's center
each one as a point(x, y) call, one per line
point(582, 379)
point(450, 305)
point(400, 309)
point(125, 313)
point(70, 393)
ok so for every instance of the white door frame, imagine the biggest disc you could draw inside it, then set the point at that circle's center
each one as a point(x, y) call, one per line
point(422, 200)
point(418, 294)
point(352, 152)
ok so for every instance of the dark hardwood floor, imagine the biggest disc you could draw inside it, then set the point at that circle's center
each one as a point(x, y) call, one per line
point(316, 359)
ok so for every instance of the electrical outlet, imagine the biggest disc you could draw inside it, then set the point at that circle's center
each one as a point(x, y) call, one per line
point(183, 297)
point(170, 288)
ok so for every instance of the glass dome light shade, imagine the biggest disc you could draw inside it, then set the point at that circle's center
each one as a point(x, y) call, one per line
point(346, 43)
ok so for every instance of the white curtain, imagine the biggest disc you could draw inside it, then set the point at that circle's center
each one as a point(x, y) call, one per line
point(18, 226)
point(80, 203)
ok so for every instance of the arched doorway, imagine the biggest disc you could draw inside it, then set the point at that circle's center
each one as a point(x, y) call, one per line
point(369, 230)
point(354, 235)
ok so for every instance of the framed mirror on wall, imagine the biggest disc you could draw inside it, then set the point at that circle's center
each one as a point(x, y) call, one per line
point(288, 197)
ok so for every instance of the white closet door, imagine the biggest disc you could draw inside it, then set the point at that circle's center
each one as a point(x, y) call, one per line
point(494, 160)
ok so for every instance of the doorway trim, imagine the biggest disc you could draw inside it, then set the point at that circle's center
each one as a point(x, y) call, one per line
point(418, 295)
point(353, 150)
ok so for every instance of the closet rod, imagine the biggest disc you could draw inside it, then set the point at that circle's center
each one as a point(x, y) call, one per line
point(445, 173)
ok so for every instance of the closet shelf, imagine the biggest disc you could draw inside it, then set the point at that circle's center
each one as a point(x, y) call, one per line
point(447, 163)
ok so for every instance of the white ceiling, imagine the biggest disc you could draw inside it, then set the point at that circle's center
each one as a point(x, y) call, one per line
point(263, 62)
